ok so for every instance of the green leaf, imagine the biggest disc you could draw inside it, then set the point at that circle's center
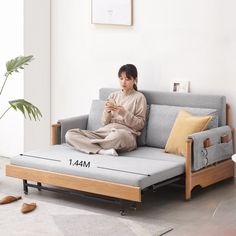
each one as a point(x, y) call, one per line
point(26, 108)
point(18, 63)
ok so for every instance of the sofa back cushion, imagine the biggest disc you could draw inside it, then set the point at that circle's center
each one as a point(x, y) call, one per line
point(217, 102)
point(95, 115)
point(162, 119)
point(141, 140)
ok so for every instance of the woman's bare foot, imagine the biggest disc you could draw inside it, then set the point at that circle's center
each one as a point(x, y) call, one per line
point(111, 152)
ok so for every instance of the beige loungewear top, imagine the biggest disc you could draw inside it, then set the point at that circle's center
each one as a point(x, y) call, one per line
point(135, 106)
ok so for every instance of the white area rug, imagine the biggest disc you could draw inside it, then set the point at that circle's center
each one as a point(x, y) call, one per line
point(56, 220)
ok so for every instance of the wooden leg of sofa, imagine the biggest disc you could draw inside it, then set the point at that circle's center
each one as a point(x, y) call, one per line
point(187, 194)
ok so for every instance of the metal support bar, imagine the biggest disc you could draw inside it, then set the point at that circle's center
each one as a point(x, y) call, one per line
point(163, 183)
point(123, 203)
point(170, 181)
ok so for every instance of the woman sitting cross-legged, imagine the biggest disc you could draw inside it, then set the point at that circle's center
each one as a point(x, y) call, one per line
point(123, 117)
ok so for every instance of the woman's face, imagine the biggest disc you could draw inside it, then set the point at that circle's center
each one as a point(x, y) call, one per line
point(126, 84)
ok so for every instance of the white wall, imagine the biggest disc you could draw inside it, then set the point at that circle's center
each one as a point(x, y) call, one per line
point(186, 39)
point(194, 40)
point(25, 30)
point(37, 84)
point(11, 41)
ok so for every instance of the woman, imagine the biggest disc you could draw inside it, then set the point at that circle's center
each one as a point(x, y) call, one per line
point(123, 117)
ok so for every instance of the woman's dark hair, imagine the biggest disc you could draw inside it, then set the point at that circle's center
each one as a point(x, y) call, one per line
point(130, 72)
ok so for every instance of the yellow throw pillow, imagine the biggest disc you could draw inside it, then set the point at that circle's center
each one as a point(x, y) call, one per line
point(185, 124)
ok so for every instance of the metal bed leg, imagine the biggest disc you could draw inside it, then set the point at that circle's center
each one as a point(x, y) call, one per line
point(134, 206)
point(39, 186)
point(25, 186)
point(125, 205)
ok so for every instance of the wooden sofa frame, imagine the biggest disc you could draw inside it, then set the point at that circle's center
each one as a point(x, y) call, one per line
point(204, 177)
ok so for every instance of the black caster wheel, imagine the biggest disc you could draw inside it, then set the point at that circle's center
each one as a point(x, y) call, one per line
point(123, 212)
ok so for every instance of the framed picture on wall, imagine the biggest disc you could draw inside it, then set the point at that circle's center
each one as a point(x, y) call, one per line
point(112, 12)
point(180, 86)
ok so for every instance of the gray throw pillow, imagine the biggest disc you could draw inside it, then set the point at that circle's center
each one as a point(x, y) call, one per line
point(95, 115)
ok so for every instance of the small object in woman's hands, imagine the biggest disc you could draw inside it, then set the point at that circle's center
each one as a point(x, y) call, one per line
point(111, 103)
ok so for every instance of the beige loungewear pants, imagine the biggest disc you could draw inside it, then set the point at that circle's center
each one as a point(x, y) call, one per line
point(104, 138)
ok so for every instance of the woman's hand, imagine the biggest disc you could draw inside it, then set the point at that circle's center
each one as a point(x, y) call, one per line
point(109, 108)
point(120, 110)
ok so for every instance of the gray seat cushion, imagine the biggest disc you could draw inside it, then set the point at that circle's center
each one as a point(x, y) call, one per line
point(130, 170)
point(95, 115)
point(153, 153)
point(162, 118)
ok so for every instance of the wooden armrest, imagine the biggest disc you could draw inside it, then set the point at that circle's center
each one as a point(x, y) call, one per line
point(233, 132)
point(54, 133)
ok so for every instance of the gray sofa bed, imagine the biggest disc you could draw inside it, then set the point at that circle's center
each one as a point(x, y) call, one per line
point(147, 167)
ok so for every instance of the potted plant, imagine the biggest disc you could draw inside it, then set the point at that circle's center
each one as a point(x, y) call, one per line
point(22, 105)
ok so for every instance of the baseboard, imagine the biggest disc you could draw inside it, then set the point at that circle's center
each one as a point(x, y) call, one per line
point(4, 157)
